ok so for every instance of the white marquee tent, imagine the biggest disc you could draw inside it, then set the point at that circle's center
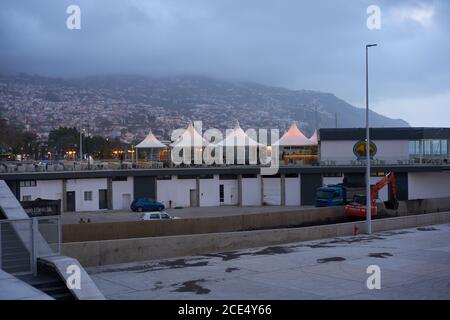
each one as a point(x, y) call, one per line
point(314, 138)
point(238, 138)
point(294, 138)
point(189, 138)
point(152, 143)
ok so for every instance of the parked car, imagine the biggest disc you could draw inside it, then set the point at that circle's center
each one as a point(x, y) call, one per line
point(156, 215)
point(144, 204)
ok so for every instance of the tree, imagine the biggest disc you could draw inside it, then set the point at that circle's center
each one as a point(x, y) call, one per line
point(63, 139)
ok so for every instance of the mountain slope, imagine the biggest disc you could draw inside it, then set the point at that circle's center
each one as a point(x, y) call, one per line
point(120, 105)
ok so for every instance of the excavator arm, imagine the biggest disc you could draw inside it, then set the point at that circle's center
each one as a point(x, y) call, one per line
point(359, 210)
point(389, 179)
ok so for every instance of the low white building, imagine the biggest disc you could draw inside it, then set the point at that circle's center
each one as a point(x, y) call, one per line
point(418, 156)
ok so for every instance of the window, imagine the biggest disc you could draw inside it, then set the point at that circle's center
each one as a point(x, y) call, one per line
point(88, 196)
point(154, 216)
point(436, 147)
point(377, 174)
point(28, 183)
point(165, 216)
point(221, 193)
point(412, 148)
point(430, 148)
point(444, 147)
point(427, 147)
point(26, 198)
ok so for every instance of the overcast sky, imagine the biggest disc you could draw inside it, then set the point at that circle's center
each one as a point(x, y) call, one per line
point(296, 44)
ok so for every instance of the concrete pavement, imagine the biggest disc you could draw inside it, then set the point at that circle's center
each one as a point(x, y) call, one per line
point(414, 264)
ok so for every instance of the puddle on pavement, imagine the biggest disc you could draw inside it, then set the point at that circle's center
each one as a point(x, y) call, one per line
point(427, 229)
point(192, 286)
point(338, 241)
point(232, 255)
point(161, 265)
point(394, 233)
point(382, 255)
point(272, 251)
point(331, 259)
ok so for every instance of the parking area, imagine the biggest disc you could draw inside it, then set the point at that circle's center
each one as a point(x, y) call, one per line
point(200, 212)
point(413, 263)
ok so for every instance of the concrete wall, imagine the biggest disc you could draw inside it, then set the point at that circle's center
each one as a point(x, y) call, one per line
point(141, 229)
point(44, 189)
point(251, 191)
point(97, 253)
point(121, 192)
point(82, 185)
point(421, 206)
point(342, 151)
point(425, 185)
point(272, 191)
point(177, 190)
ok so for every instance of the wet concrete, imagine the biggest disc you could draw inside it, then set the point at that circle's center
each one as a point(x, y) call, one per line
point(427, 229)
point(415, 265)
point(162, 265)
point(331, 259)
point(273, 250)
point(382, 255)
point(232, 255)
point(192, 286)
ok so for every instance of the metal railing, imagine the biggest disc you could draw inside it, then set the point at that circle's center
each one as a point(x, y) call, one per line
point(27, 167)
point(23, 241)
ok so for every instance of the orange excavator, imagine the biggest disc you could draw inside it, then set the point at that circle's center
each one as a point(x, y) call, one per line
point(357, 208)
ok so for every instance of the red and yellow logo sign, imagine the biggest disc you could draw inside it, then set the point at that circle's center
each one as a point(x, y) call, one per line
point(359, 149)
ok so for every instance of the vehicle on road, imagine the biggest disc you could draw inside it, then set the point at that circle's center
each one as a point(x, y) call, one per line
point(357, 208)
point(144, 204)
point(336, 195)
point(156, 215)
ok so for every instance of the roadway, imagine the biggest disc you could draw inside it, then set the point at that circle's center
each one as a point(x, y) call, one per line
point(414, 264)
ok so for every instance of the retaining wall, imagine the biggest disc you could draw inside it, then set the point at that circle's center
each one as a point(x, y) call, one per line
point(143, 229)
point(95, 253)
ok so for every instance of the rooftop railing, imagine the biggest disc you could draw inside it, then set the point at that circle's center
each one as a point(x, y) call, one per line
point(37, 166)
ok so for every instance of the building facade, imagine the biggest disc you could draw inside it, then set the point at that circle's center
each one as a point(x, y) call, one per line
point(421, 173)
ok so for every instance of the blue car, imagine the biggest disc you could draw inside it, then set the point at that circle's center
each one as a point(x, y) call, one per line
point(144, 204)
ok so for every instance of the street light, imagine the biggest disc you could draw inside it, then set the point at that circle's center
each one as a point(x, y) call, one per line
point(81, 144)
point(368, 191)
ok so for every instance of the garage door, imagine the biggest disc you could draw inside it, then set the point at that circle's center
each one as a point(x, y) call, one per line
point(272, 191)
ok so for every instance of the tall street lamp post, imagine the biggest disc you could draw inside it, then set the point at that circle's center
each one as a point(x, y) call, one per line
point(368, 191)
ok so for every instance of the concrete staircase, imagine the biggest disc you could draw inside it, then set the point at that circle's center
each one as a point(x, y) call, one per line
point(15, 258)
point(16, 245)
point(48, 281)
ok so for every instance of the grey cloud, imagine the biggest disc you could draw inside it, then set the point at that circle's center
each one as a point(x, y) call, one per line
point(296, 44)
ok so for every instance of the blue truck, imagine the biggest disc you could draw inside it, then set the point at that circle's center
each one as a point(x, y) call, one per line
point(336, 195)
